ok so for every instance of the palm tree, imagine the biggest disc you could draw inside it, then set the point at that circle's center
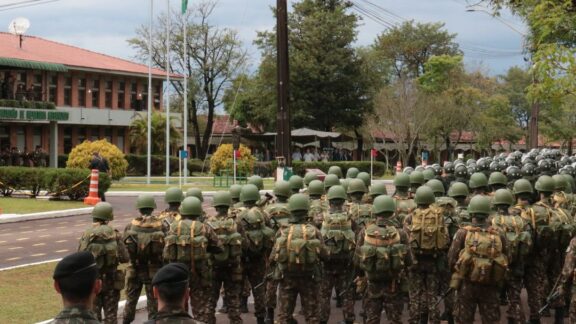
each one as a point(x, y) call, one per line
point(139, 133)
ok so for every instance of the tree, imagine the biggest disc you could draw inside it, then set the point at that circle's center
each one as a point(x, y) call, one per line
point(515, 86)
point(139, 133)
point(215, 58)
point(559, 122)
point(410, 45)
point(82, 154)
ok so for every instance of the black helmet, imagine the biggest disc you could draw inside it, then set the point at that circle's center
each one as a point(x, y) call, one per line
point(528, 170)
point(449, 167)
point(513, 173)
point(461, 171)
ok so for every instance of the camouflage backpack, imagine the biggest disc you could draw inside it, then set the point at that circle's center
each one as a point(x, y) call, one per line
point(382, 255)
point(482, 261)
point(448, 207)
point(278, 214)
point(519, 240)
point(259, 237)
point(144, 240)
point(169, 217)
point(538, 217)
point(297, 251)
point(100, 240)
point(227, 231)
point(428, 233)
point(404, 206)
point(563, 227)
point(338, 236)
point(187, 243)
point(317, 212)
point(361, 214)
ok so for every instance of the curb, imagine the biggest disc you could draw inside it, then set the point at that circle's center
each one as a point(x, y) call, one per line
point(139, 306)
point(160, 193)
point(12, 218)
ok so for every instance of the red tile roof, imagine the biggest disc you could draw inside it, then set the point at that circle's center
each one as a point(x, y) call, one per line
point(43, 50)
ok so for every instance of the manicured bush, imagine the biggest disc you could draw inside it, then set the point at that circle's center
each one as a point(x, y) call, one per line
point(58, 182)
point(299, 167)
point(10, 103)
point(81, 156)
point(223, 157)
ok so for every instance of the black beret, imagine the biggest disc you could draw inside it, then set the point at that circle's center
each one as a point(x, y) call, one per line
point(171, 273)
point(75, 264)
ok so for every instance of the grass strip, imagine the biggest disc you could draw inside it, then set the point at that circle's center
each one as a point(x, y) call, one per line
point(30, 205)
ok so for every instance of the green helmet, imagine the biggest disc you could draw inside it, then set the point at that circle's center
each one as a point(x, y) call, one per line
point(191, 206)
point(298, 202)
point(503, 197)
point(364, 176)
point(416, 178)
point(378, 188)
point(103, 211)
point(146, 201)
point(356, 185)
point(428, 174)
point(436, 185)
point(424, 195)
point(316, 188)
point(194, 192)
point(344, 183)
point(336, 170)
point(235, 191)
point(331, 180)
point(569, 181)
point(296, 182)
point(559, 182)
point(309, 177)
point(249, 192)
point(522, 186)
point(173, 195)
point(336, 192)
point(497, 178)
point(257, 181)
point(282, 189)
point(478, 180)
point(458, 189)
point(222, 198)
point(383, 204)
point(545, 184)
point(352, 173)
point(402, 180)
point(479, 205)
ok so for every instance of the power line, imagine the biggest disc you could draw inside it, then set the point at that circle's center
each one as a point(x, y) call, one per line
point(25, 4)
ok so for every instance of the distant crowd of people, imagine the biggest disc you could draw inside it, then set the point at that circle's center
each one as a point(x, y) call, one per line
point(312, 155)
point(14, 157)
point(12, 90)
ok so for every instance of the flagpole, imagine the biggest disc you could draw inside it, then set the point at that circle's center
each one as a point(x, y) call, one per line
point(185, 12)
point(149, 126)
point(167, 94)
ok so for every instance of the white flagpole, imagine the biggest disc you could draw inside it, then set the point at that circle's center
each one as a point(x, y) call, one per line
point(185, 94)
point(149, 126)
point(167, 94)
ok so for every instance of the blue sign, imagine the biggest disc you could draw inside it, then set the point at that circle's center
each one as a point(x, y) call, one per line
point(183, 154)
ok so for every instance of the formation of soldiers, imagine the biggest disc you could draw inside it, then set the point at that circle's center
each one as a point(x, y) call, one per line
point(469, 234)
point(14, 157)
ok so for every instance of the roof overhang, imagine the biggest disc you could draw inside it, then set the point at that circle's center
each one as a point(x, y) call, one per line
point(156, 76)
point(33, 65)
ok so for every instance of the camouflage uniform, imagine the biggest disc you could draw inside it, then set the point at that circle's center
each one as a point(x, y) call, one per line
point(318, 208)
point(172, 315)
point(405, 205)
point(278, 213)
point(567, 278)
point(75, 315)
point(169, 216)
point(452, 220)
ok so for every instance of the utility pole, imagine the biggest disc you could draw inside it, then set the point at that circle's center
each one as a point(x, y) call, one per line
point(533, 127)
point(283, 114)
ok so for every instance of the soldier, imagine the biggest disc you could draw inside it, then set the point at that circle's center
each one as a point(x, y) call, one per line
point(235, 195)
point(377, 189)
point(196, 192)
point(478, 184)
point(562, 199)
point(318, 204)
point(331, 180)
point(296, 183)
point(190, 242)
point(416, 180)
point(367, 179)
point(259, 241)
point(76, 279)
point(173, 197)
point(108, 248)
point(338, 235)
point(352, 173)
point(309, 177)
point(497, 180)
point(428, 174)
point(459, 192)
point(461, 174)
point(170, 286)
point(478, 255)
point(144, 238)
point(296, 261)
point(227, 269)
point(359, 213)
point(404, 203)
point(448, 177)
point(383, 256)
point(567, 280)
point(519, 240)
point(336, 170)
point(430, 256)
point(512, 174)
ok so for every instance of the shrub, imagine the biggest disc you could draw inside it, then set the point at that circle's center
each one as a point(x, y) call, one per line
point(222, 159)
point(82, 154)
point(299, 167)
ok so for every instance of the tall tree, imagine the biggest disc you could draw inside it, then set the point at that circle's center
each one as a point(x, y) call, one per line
point(215, 58)
point(139, 131)
point(514, 85)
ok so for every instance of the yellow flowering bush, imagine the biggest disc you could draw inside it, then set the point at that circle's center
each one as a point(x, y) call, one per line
point(223, 159)
point(81, 156)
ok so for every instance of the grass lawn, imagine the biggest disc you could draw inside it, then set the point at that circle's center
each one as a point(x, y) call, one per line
point(27, 294)
point(158, 184)
point(29, 205)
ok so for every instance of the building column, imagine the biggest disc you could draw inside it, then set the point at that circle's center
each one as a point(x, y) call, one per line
point(53, 144)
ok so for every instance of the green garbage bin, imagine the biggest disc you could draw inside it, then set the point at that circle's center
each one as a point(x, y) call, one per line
point(287, 173)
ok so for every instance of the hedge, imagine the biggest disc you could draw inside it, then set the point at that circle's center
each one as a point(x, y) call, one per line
point(299, 167)
point(58, 182)
point(27, 104)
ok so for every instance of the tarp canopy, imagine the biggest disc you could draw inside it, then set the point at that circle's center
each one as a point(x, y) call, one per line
point(306, 135)
point(34, 65)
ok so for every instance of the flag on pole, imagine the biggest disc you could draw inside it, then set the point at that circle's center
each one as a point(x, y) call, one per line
point(374, 153)
point(184, 6)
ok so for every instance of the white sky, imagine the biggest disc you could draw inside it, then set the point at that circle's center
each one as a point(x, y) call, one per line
point(105, 25)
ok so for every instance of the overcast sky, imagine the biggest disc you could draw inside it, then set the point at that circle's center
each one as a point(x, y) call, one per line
point(105, 25)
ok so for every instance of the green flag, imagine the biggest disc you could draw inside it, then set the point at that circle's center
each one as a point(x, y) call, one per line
point(184, 6)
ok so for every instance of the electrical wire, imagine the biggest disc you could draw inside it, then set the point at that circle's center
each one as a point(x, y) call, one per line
point(31, 3)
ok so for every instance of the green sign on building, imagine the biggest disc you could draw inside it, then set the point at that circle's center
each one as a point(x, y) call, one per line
point(34, 115)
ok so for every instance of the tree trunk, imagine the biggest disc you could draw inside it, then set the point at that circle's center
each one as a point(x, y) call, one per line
point(208, 131)
point(360, 144)
point(448, 149)
point(570, 146)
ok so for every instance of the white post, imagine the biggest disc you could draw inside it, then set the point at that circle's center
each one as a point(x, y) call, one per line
point(371, 165)
point(149, 113)
point(180, 169)
point(167, 94)
point(234, 153)
point(185, 96)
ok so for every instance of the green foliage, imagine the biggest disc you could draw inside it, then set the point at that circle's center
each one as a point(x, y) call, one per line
point(139, 133)
point(223, 159)
point(137, 165)
point(442, 73)
point(81, 155)
point(299, 167)
point(27, 104)
point(58, 182)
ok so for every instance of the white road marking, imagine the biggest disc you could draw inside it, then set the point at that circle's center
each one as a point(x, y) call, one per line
point(13, 259)
point(45, 235)
point(61, 241)
point(42, 230)
point(39, 244)
point(61, 251)
point(2, 242)
point(15, 248)
point(23, 239)
point(38, 254)
point(26, 232)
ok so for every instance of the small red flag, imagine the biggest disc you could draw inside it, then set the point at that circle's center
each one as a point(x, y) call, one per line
point(374, 152)
point(237, 153)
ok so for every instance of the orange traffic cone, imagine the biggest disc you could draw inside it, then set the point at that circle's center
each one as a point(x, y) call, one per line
point(398, 166)
point(93, 198)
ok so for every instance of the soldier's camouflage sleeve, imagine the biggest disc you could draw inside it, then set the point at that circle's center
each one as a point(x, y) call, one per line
point(323, 250)
point(123, 256)
point(455, 248)
point(409, 258)
point(359, 243)
point(407, 223)
point(214, 243)
point(569, 264)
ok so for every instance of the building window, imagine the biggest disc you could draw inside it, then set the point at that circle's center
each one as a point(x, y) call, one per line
point(94, 134)
point(108, 95)
point(120, 134)
point(95, 93)
point(81, 135)
point(108, 134)
point(21, 138)
point(82, 92)
point(144, 97)
point(121, 91)
point(52, 87)
point(4, 137)
point(36, 93)
point(67, 140)
point(157, 90)
point(37, 137)
point(68, 91)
